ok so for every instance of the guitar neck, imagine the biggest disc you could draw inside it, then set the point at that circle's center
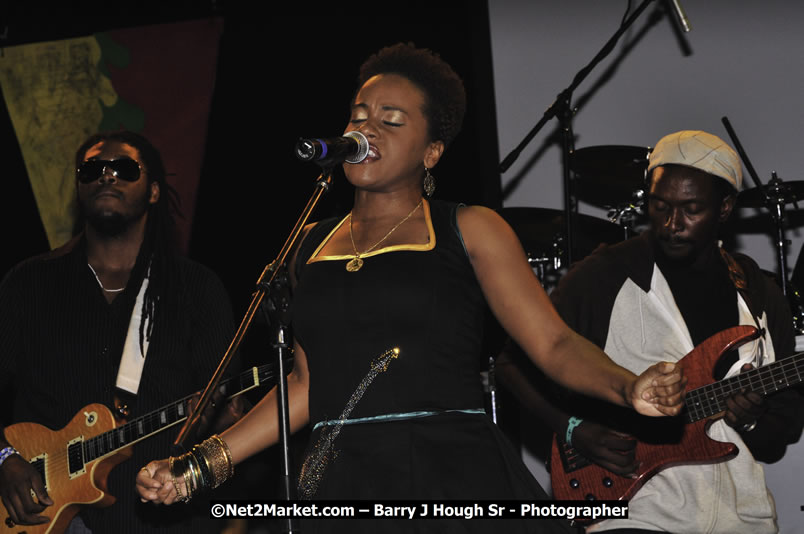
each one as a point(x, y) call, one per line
point(151, 423)
point(710, 400)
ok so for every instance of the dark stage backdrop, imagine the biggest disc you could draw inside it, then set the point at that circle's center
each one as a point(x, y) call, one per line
point(290, 75)
point(283, 73)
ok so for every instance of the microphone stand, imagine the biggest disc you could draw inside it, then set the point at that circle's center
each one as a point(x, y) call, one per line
point(774, 204)
point(273, 279)
point(562, 109)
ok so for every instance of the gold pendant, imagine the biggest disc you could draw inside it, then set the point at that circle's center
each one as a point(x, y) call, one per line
point(354, 264)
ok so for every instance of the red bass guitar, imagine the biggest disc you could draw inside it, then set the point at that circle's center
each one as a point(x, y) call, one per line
point(679, 440)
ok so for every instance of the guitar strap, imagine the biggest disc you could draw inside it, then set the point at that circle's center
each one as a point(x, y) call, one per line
point(740, 282)
point(133, 359)
point(738, 279)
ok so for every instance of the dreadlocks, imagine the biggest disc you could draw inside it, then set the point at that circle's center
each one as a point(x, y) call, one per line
point(155, 259)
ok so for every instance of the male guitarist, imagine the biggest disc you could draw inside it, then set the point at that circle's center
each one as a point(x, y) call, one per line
point(655, 297)
point(116, 309)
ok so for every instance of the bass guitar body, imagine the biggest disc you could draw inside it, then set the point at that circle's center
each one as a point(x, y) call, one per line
point(661, 442)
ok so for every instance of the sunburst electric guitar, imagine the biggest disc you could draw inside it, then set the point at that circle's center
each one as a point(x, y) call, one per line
point(74, 462)
point(679, 440)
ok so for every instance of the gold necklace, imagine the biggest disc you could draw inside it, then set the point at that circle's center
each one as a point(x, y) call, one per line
point(356, 263)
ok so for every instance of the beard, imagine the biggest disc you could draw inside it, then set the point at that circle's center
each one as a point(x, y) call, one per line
point(111, 223)
point(684, 253)
point(108, 224)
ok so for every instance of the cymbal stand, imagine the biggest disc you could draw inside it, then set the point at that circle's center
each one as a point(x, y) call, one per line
point(561, 108)
point(774, 200)
point(626, 215)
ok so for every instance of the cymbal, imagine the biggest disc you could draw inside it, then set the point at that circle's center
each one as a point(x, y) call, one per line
point(788, 192)
point(608, 175)
point(538, 228)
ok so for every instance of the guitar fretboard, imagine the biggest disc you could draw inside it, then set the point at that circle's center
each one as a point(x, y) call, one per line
point(135, 430)
point(158, 420)
point(709, 400)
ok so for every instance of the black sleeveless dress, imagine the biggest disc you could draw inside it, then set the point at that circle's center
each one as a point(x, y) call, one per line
point(415, 426)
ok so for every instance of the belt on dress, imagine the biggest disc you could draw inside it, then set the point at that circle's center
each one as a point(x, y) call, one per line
point(393, 417)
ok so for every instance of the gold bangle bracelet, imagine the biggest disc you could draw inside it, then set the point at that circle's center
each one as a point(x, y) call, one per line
point(204, 467)
point(187, 487)
point(197, 476)
point(219, 462)
point(191, 472)
point(171, 468)
point(227, 452)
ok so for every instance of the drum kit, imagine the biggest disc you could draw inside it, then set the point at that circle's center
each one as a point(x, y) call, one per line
point(613, 177)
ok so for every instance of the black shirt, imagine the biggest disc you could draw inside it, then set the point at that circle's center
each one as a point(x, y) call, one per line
point(705, 296)
point(60, 348)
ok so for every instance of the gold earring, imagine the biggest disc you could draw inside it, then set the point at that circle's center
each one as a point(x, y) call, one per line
point(429, 183)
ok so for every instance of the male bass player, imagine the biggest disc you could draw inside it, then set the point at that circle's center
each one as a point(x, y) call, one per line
point(656, 297)
point(115, 309)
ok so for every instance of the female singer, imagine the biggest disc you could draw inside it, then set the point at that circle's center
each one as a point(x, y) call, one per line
point(387, 320)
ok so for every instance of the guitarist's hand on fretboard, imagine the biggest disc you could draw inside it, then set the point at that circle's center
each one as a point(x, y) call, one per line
point(219, 414)
point(76, 460)
point(17, 479)
point(610, 449)
point(684, 439)
point(745, 408)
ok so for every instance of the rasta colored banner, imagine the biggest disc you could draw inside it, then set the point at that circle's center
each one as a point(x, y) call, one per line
point(155, 80)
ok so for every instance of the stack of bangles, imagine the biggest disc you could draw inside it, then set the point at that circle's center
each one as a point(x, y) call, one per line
point(207, 466)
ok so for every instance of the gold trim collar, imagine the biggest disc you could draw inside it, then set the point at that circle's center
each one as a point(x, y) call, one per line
point(421, 247)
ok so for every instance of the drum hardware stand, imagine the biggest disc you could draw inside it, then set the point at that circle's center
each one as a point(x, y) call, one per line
point(543, 265)
point(558, 253)
point(540, 264)
point(561, 108)
point(272, 283)
point(774, 200)
point(626, 215)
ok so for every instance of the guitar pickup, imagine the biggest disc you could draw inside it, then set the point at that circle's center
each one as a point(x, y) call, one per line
point(571, 459)
point(75, 458)
point(39, 464)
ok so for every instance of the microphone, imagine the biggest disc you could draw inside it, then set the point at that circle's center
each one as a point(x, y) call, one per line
point(352, 147)
point(682, 17)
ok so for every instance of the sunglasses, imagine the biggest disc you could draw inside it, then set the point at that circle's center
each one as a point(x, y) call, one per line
point(123, 169)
